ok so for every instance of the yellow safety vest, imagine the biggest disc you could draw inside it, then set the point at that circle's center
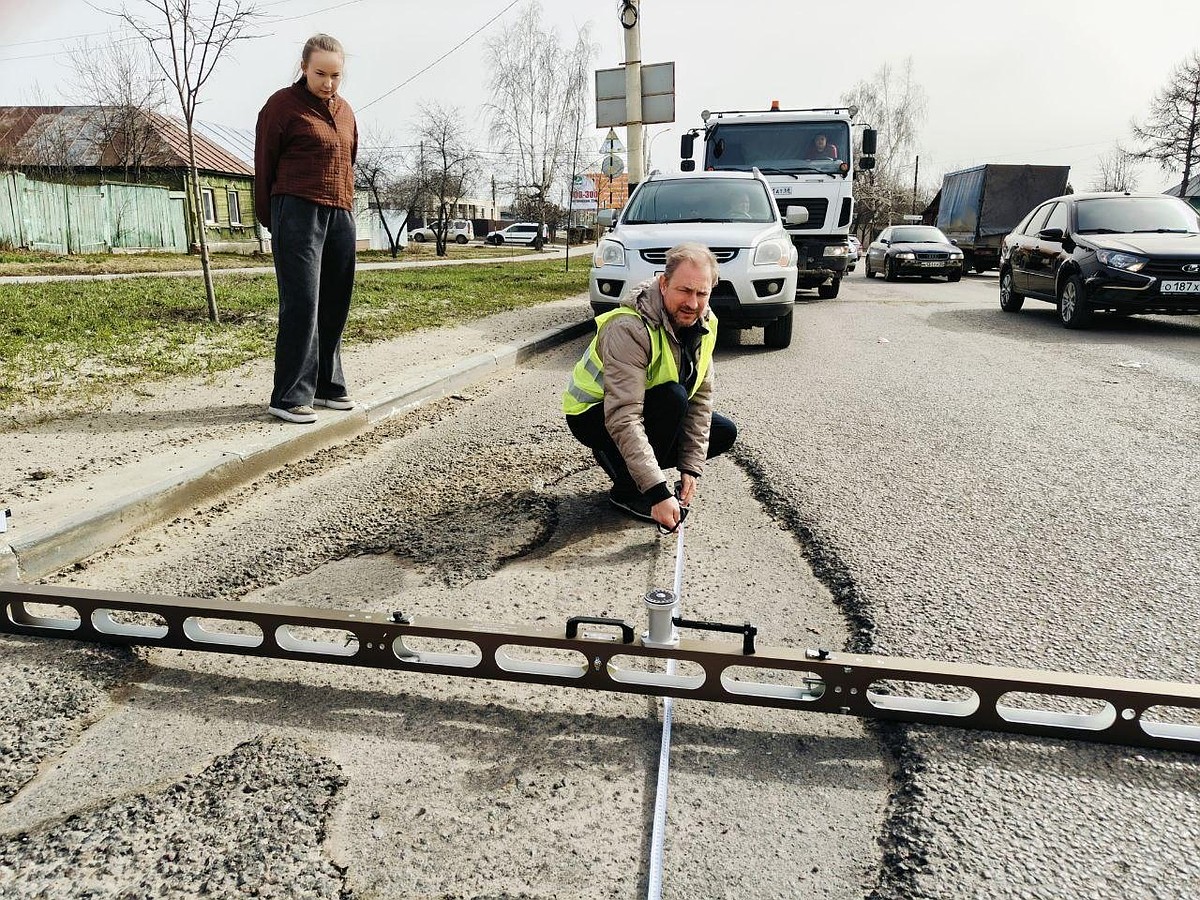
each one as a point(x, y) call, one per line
point(587, 381)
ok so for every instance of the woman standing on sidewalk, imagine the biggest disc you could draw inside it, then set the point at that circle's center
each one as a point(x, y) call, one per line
point(304, 151)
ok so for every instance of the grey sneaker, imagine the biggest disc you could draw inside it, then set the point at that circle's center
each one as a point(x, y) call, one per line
point(342, 402)
point(301, 415)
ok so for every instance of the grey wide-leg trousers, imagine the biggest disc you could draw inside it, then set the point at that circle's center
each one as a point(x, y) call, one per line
point(313, 246)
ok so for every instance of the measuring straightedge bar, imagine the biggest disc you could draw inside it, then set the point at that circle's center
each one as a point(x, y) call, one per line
point(1156, 714)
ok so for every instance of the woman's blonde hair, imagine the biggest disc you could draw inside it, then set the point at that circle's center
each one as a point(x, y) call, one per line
point(322, 42)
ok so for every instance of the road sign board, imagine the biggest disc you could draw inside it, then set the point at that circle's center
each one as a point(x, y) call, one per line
point(611, 143)
point(658, 95)
point(612, 166)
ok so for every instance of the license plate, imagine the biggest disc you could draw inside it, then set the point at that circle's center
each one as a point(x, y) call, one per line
point(1181, 287)
point(935, 264)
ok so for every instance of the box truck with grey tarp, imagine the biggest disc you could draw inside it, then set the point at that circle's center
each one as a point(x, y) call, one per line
point(977, 207)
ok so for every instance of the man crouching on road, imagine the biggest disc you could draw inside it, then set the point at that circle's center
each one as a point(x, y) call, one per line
point(641, 396)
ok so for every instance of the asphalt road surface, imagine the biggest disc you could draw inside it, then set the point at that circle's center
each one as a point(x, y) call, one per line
point(919, 474)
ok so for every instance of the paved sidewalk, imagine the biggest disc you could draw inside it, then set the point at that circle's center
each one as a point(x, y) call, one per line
point(77, 485)
point(554, 252)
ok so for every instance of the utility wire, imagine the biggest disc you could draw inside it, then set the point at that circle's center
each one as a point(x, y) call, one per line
point(442, 57)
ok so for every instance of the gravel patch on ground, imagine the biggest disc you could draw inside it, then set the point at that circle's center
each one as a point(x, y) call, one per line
point(250, 824)
point(42, 715)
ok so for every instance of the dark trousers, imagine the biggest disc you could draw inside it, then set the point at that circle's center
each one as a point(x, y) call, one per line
point(662, 414)
point(313, 246)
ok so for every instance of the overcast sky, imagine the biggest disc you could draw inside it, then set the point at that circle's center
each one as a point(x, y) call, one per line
point(1025, 81)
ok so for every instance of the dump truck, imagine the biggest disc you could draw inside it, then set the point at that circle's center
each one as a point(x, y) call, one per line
point(807, 157)
point(979, 206)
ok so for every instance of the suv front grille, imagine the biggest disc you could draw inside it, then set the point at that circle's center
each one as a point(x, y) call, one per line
point(817, 208)
point(658, 255)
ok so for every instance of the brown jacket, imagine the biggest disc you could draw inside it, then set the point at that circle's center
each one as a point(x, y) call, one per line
point(306, 147)
point(624, 348)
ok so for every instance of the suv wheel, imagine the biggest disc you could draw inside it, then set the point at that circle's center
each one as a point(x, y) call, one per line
point(418, 237)
point(461, 239)
point(1073, 311)
point(778, 334)
point(829, 291)
point(1010, 300)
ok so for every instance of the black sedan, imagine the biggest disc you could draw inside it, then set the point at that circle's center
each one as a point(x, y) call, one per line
point(1118, 252)
point(914, 250)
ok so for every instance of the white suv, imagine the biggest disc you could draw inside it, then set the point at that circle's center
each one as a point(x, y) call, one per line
point(517, 233)
point(460, 231)
point(731, 213)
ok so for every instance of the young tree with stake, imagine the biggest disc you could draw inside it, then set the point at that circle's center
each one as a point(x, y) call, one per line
point(187, 39)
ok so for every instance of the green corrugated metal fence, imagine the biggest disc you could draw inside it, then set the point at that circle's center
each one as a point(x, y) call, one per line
point(75, 218)
point(12, 234)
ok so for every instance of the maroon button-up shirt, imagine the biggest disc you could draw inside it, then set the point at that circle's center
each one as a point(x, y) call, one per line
point(306, 147)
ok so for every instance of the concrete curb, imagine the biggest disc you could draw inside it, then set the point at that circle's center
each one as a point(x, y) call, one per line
point(579, 250)
point(47, 550)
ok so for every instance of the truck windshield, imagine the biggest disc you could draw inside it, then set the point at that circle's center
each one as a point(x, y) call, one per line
point(700, 199)
point(1124, 215)
point(778, 146)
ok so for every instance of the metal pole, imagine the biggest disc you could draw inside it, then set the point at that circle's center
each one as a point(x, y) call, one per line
point(633, 94)
point(916, 170)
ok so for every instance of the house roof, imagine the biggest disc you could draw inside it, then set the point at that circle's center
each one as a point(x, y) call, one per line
point(74, 136)
point(1192, 191)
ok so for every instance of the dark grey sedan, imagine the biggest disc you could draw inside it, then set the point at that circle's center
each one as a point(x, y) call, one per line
point(920, 250)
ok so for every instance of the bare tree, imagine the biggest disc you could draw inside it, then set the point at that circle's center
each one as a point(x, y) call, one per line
point(1115, 171)
point(537, 89)
point(375, 171)
point(893, 103)
point(122, 86)
point(1171, 133)
point(187, 38)
point(449, 163)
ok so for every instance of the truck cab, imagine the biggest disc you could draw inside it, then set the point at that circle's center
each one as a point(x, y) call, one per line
point(806, 155)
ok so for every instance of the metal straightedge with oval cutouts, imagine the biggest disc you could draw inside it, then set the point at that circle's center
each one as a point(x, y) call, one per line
point(605, 654)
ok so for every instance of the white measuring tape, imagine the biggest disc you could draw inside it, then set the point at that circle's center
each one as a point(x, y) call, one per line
point(659, 631)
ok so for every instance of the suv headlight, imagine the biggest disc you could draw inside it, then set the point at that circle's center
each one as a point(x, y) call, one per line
point(609, 253)
point(1118, 260)
point(772, 253)
point(836, 250)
